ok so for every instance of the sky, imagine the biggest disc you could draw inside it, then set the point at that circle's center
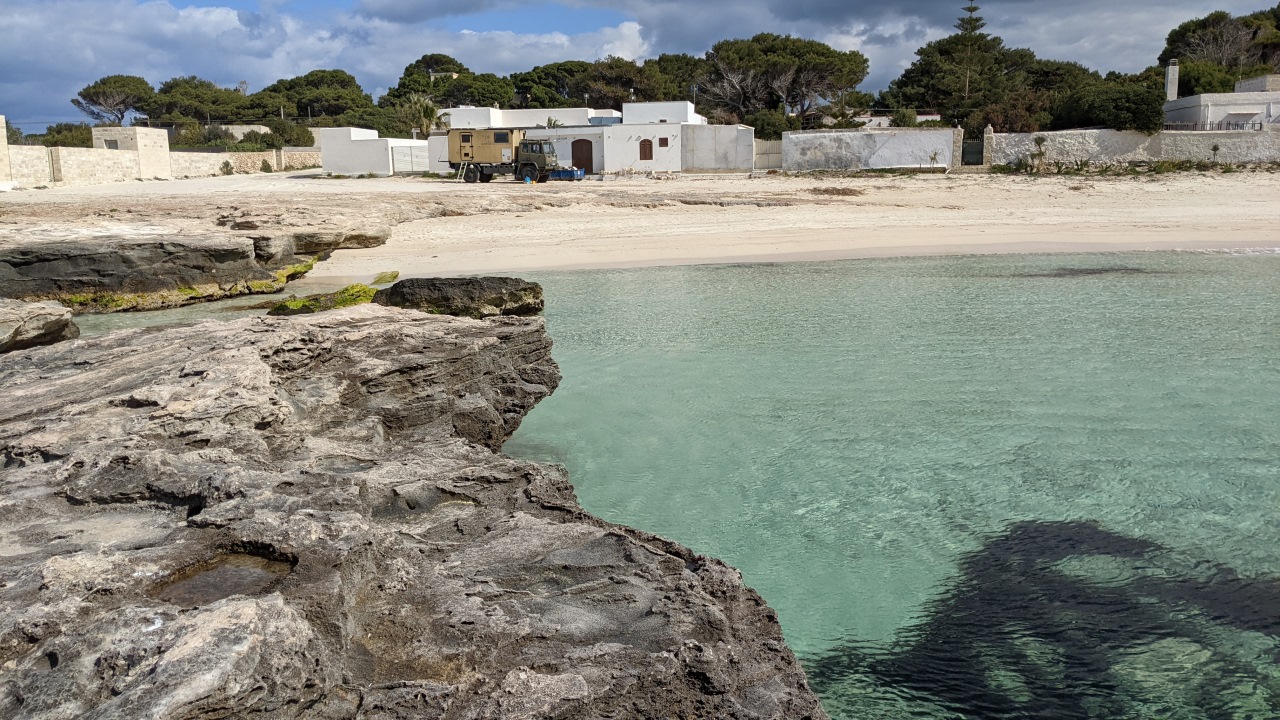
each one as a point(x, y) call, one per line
point(49, 49)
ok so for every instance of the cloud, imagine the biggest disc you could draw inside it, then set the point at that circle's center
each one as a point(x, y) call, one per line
point(415, 11)
point(376, 39)
point(158, 40)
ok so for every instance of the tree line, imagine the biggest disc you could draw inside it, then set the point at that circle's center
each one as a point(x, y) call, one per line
point(772, 82)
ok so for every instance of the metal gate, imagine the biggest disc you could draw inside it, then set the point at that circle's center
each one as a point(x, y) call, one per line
point(973, 151)
point(410, 159)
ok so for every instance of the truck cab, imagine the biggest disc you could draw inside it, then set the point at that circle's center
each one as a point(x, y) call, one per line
point(541, 154)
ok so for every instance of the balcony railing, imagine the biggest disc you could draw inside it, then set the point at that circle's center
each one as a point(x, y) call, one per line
point(1221, 125)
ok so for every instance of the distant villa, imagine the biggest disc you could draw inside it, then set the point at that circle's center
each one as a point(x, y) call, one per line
point(1255, 105)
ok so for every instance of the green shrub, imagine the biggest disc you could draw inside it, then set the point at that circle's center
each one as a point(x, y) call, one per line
point(904, 117)
point(266, 166)
point(227, 168)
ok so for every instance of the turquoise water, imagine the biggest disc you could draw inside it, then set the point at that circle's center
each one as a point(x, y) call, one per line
point(1001, 486)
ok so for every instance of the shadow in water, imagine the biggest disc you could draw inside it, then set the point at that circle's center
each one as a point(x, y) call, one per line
point(1064, 620)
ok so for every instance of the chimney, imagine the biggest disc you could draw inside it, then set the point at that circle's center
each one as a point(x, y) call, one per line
point(1171, 81)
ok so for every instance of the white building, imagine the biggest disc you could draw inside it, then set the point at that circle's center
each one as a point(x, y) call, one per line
point(657, 137)
point(1255, 105)
point(357, 151)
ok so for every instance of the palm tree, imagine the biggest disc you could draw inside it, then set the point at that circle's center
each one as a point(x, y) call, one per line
point(421, 111)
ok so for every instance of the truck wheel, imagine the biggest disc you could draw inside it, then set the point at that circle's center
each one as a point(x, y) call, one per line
point(485, 177)
point(472, 174)
point(544, 177)
point(528, 173)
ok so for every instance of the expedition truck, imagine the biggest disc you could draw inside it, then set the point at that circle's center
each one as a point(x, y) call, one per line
point(481, 154)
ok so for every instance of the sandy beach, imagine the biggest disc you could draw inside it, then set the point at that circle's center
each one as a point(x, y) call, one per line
point(448, 228)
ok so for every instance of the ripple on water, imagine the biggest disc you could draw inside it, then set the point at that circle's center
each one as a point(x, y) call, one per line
point(970, 486)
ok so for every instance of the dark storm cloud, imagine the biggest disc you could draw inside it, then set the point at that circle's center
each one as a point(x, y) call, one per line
point(413, 11)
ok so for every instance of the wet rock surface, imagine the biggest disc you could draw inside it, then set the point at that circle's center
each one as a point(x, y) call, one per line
point(307, 517)
point(321, 302)
point(465, 297)
point(24, 325)
point(140, 268)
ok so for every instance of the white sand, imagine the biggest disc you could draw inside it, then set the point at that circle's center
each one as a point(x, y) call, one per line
point(510, 227)
point(914, 215)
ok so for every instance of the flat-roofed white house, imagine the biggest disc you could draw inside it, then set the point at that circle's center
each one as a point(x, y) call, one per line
point(357, 151)
point(1255, 105)
point(654, 137)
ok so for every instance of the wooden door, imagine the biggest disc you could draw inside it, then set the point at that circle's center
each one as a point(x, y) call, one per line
point(584, 156)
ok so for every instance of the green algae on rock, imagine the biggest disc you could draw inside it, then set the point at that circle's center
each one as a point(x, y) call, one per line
point(351, 295)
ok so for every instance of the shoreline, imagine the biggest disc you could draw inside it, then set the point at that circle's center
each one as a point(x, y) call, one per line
point(339, 266)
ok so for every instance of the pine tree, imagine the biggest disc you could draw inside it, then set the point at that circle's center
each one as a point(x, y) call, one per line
point(971, 34)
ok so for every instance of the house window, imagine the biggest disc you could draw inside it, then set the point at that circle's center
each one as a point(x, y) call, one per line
point(646, 149)
point(502, 138)
point(663, 142)
point(662, 120)
point(112, 144)
point(465, 139)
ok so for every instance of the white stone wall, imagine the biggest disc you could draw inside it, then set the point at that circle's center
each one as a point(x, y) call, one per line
point(473, 118)
point(1263, 107)
point(622, 148)
point(768, 155)
point(6, 176)
point(358, 157)
point(91, 166)
point(864, 149)
point(660, 113)
point(1266, 83)
point(562, 139)
point(153, 154)
point(1109, 146)
point(29, 165)
point(717, 148)
point(342, 134)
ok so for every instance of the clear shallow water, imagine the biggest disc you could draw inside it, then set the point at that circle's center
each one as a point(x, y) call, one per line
point(987, 487)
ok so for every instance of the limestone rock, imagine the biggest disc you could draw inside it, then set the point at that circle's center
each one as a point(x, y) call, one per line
point(465, 297)
point(110, 272)
point(24, 325)
point(324, 241)
point(307, 518)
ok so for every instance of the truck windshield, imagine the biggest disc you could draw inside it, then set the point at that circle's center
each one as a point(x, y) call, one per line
point(548, 148)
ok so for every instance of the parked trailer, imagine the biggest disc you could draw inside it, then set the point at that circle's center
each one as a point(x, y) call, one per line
point(568, 174)
point(481, 154)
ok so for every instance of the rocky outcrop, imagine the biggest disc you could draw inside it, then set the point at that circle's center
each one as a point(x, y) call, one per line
point(465, 297)
point(317, 242)
point(306, 517)
point(144, 271)
point(24, 325)
point(346, 297)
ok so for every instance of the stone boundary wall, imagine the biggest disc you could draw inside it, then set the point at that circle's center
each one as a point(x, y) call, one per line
point(200, 164)
point(1112, 146)
point(871, 149)
point(717, 148)
point(768, 154)
point(29, 165)
point(6, 175)
point(91, 166)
